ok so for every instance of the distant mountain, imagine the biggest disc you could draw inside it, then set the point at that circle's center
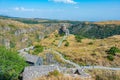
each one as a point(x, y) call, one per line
point(37, 20)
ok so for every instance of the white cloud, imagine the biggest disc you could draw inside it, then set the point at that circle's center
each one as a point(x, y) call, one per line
point(22, 9)
point(65, 1)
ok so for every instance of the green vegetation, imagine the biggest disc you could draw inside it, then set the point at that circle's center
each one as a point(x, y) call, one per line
point(38, 49)
point(110, 57)
point(56, 35)
point(11, 64)
point(11, 25)
point(54, 73)
point(12, 44)
point(90, 43)
point(78, 38)
point(62, 34)
point(112, 52)
point(46, 37)
point(66, 44)
point(95, 30)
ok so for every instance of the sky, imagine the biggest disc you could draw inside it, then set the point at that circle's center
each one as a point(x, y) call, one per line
point(82, 10)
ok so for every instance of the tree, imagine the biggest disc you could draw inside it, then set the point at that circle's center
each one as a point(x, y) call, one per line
point(11, 64)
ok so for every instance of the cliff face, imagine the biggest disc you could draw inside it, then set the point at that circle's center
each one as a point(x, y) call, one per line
point(17, 34)
point(92, 30)
point(21, 32)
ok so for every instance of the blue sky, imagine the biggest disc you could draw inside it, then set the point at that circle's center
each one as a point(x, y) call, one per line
point(83, 10)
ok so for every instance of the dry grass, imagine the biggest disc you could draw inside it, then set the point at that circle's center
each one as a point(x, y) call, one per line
point(58, 78)
point(96, 75)
point(56, 75)
point(108, 22)
point(84, 53)
point(17, 24)
point(105, 74)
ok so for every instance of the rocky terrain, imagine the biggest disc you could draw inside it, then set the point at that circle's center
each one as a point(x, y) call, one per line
point(96, 29)
point(19, 34)
point(22, 32)
point(92, 45)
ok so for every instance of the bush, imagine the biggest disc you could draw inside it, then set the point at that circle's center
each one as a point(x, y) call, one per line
point(62, 34)
point(78, 38)
point(56, 35)
point(113, 50)
point(12, 44)
point(11, 64)
point(66, 44)
point(54, 73)
point(46, 37)
point(90, 43)
point(110, 57)
point(38, 49)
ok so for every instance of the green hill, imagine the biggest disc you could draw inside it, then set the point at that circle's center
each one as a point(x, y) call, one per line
point(92, 30)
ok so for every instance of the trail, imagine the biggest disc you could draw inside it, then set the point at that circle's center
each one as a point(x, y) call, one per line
point(70, 62)
point(60, 42)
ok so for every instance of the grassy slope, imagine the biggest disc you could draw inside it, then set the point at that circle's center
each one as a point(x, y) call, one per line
point(108, 22)
point(10, 26)
point(97, 30)
point(85, 53)
point(96, 75)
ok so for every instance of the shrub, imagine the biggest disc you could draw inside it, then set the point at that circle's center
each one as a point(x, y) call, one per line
point(11, 64)
point(56, 35)
point(46, 37)
point(11, 25)
point(113, 50)
point(62, 34)
point(78, 38)
point(54, 73)
point(90, 43)
point(38, 49)
point(110, 57)
point(66, 44)
point(12, 44)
